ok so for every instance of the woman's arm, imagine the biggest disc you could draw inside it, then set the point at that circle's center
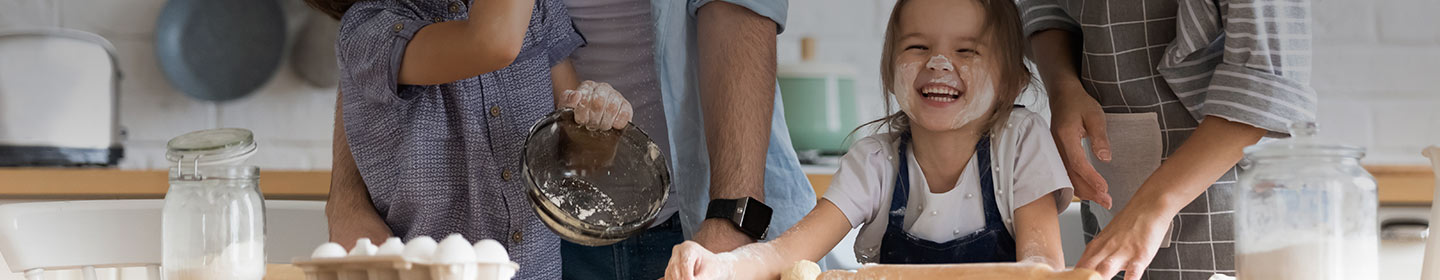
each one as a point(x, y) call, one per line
point(1130, 240)
point(348, 209)
point(1076, 115)
point(449, 51)
point(1037, 233)
point(809, 239)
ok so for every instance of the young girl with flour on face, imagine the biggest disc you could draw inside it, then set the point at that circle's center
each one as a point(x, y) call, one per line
point(962, 176)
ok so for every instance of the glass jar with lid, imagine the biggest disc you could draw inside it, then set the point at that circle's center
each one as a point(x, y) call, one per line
point(1305, 210)
point(214, 217)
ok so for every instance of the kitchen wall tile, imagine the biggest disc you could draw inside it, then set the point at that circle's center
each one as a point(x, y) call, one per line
point(832, 18)
point(112, 18)
point(1409, 21)
point(283, 155)
point(149, 108)
point(144, 154)
point(1403, 125)
point(286, 108)
point(1342, 22)
point(28, 14)
point(1346, 120)
point(320, 155)
point(1376, 71)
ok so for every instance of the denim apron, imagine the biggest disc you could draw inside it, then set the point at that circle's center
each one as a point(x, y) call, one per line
point(992, 243)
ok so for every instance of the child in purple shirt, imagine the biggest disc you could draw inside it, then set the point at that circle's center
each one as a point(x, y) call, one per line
point(438, 97)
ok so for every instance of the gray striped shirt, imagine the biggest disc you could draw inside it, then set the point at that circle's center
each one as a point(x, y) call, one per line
point(1246, 61)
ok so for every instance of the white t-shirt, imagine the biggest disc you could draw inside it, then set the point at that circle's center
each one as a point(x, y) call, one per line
point(863, 185)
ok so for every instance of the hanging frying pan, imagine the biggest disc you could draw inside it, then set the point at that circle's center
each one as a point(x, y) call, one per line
point(219, 50)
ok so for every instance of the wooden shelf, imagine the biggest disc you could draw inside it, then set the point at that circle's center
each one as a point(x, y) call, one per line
point(104, 183)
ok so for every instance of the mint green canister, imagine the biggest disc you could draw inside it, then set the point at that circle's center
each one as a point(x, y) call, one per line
point(819, 102)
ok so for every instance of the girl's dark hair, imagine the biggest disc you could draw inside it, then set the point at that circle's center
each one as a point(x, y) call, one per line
point(332, 8)
point(1003, 25)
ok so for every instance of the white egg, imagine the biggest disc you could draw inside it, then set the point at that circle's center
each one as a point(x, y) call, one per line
point(363, 247)
point(490, 251)
point(328, 250)
point(392, 247)
point(454, 249)
point(420, 249)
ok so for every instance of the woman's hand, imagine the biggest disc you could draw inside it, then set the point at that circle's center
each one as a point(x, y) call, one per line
point(597, 106)
point(1128, 243)
point(690, 261)
point(1075, 116)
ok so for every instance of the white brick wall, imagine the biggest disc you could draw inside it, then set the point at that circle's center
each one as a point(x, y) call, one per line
point(1375, 68)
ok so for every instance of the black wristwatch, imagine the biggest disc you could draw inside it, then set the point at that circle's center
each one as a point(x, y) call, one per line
point(748, 214)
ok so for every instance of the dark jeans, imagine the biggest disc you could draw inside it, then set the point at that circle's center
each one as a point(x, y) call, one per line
point(643, 256)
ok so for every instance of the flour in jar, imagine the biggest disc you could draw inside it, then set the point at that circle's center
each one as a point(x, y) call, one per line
point(1347, 259)
point(241, 260)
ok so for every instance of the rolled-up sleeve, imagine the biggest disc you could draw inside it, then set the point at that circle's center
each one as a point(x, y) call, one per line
point(1264, 77)
point(859, 185)
point(1041, 15)
point(773, 9)
point(564, 38)
point(371, 43)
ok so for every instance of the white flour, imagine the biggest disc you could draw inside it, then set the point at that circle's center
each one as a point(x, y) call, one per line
point(1354, 259)
point(243, 261)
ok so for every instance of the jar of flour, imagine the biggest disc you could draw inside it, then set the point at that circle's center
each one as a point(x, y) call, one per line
point(1305, 210)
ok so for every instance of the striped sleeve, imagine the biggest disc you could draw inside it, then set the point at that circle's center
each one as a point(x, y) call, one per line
point(1041, 15)
point(1264, 77)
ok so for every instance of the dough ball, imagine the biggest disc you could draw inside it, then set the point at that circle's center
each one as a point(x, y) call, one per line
point(803, 270)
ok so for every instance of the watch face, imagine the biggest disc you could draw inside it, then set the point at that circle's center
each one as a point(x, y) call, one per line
point(757, 219)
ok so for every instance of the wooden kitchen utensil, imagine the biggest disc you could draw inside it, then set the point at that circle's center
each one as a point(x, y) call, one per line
point(977, 271)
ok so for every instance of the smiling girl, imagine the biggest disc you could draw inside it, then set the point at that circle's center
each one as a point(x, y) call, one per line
point(962, 176)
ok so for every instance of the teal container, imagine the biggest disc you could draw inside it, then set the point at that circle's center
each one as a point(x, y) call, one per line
point(820, 109)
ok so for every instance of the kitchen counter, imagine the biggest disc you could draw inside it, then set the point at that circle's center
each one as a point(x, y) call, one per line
point(1399, 184)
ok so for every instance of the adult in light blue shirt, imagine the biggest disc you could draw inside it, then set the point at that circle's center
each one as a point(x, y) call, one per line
point(714, 84)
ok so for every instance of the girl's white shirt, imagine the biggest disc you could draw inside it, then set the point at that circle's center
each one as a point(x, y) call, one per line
point(1024, 162)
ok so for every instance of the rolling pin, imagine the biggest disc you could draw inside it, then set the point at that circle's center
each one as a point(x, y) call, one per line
point(978, 271)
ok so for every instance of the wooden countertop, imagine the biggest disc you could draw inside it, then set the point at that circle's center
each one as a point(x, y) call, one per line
point(1399, 185)
point(104, 183)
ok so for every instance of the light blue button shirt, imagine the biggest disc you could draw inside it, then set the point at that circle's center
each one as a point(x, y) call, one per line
point(787, 190)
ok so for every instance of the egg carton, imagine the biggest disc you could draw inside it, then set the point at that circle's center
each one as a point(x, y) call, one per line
point(420, 259)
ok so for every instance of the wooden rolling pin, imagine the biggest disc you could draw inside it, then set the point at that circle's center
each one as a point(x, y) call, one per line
point(979, 271)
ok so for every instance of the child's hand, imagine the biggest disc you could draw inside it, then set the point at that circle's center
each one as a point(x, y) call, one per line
point(597, 106)
point(689, 261)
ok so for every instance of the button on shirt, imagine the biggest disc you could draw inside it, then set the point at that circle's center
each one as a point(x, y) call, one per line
point(439, 159)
